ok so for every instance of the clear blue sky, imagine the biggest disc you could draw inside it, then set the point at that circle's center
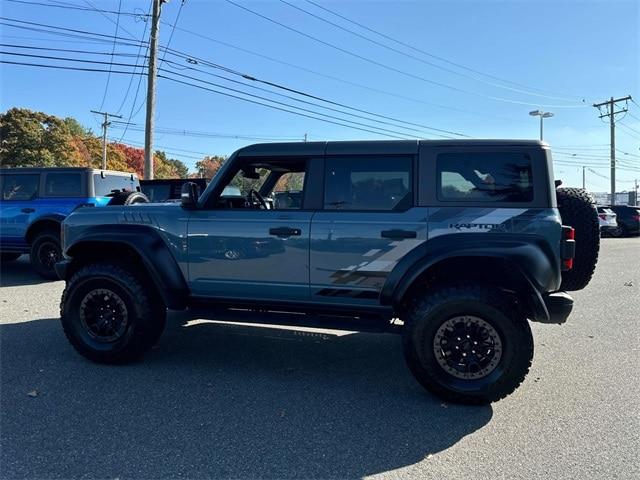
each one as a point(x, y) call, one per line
point(565, 51)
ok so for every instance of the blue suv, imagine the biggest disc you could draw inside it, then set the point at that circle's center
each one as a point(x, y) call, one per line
point(454, 245)
point(35, 201)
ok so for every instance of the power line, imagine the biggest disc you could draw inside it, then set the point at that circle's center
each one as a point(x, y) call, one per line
point(390, 68)
point(321, 117)
point(315, 97)
point(416, 49)
point(204, 134)
point(298, 92)
point(414, 57)
point(75, 33)
point(113, 49)
point(74, 7)
point(175, 22)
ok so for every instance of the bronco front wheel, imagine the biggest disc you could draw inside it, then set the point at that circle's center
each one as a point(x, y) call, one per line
point(110, 314)
point(468, 344)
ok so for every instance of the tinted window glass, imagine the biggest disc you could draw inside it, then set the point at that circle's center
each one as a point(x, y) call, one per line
point(62, 184)
point(157, 192)
point(105, 186)
point(365, 183)
point(490, 177)
point(287, 194)
point(20, 186)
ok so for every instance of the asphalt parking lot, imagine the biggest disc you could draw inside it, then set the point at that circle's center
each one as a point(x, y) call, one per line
point(226, 401)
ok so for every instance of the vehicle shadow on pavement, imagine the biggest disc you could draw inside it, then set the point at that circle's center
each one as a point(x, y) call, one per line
point(19, 272)
point(219, 401)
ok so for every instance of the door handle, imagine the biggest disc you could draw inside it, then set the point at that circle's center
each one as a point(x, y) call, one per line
point(398, 234)
point(28, 210)
point(284, 231)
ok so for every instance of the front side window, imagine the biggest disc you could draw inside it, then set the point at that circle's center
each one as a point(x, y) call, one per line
point(20, 186)
point(266, 184)
point(368, 183)
point(485, 177)
point(63, 184)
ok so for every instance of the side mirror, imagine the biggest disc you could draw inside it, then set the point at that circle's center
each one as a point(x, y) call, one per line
point(189, 196)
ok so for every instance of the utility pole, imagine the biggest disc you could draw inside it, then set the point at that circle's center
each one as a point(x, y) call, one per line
point(305, 137)
point(583, 178)
point(151, 89)
point(105, 124)
point(611, 113)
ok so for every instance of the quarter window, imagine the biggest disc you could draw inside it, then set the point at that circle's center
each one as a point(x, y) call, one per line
point(488, 177)
point(365, 183)
point(63, 184)
point(20, 186)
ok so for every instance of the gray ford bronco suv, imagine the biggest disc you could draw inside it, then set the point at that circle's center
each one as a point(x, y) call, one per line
point(455, 245)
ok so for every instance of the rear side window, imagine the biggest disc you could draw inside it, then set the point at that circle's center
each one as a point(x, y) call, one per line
point(62, 184)
point(484, 177)
point(20, 186)
point(105, 186)
point(366, 183)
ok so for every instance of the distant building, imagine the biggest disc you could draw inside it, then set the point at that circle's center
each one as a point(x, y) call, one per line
point(622, 198)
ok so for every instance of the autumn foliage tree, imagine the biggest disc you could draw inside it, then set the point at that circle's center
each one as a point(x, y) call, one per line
point(36, 139)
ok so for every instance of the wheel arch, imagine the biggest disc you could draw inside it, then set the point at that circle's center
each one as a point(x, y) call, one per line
point(521, 266)
point(45, 222)
point(138, 244)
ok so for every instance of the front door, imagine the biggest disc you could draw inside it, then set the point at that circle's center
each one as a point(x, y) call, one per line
point(253, 241)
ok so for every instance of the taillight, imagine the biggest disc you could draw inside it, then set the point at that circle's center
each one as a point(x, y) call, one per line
point(568, 247)
point(636, 218)
point(603, 216)
point(570, 233)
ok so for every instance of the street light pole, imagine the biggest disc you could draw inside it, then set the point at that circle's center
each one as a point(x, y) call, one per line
point(542, 115)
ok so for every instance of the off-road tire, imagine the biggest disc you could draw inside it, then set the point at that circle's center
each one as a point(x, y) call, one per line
point(430, 310)
point(578, 209)
point(6, 257)
point(45, 252)
point(128, 198)
point(146, 313)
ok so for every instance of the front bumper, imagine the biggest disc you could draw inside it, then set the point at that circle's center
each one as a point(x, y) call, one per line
point(61, 268)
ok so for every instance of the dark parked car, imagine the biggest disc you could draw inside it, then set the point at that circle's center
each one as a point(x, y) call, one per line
point(168, 189)
point(628, 220)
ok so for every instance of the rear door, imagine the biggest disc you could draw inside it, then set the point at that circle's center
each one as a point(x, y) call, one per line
point(367, 224)
point(18, 204)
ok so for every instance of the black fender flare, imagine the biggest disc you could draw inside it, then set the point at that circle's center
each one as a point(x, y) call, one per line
point(35, 224)
point(147, 243)
point(529, 258)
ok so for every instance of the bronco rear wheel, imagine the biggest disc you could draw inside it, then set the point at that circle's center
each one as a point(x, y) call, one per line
point(467, 343)
point(110, 314)
point(578, 209)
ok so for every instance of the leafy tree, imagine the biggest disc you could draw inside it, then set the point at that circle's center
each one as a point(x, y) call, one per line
point(209, 166)
point(181, 168)
point(35, 139)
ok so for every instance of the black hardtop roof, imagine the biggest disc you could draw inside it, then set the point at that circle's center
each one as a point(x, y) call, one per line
point(62, 169)
point(169, 181)
point(374, 146)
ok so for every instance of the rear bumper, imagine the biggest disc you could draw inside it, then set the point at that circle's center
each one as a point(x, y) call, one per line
point(559, 305)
